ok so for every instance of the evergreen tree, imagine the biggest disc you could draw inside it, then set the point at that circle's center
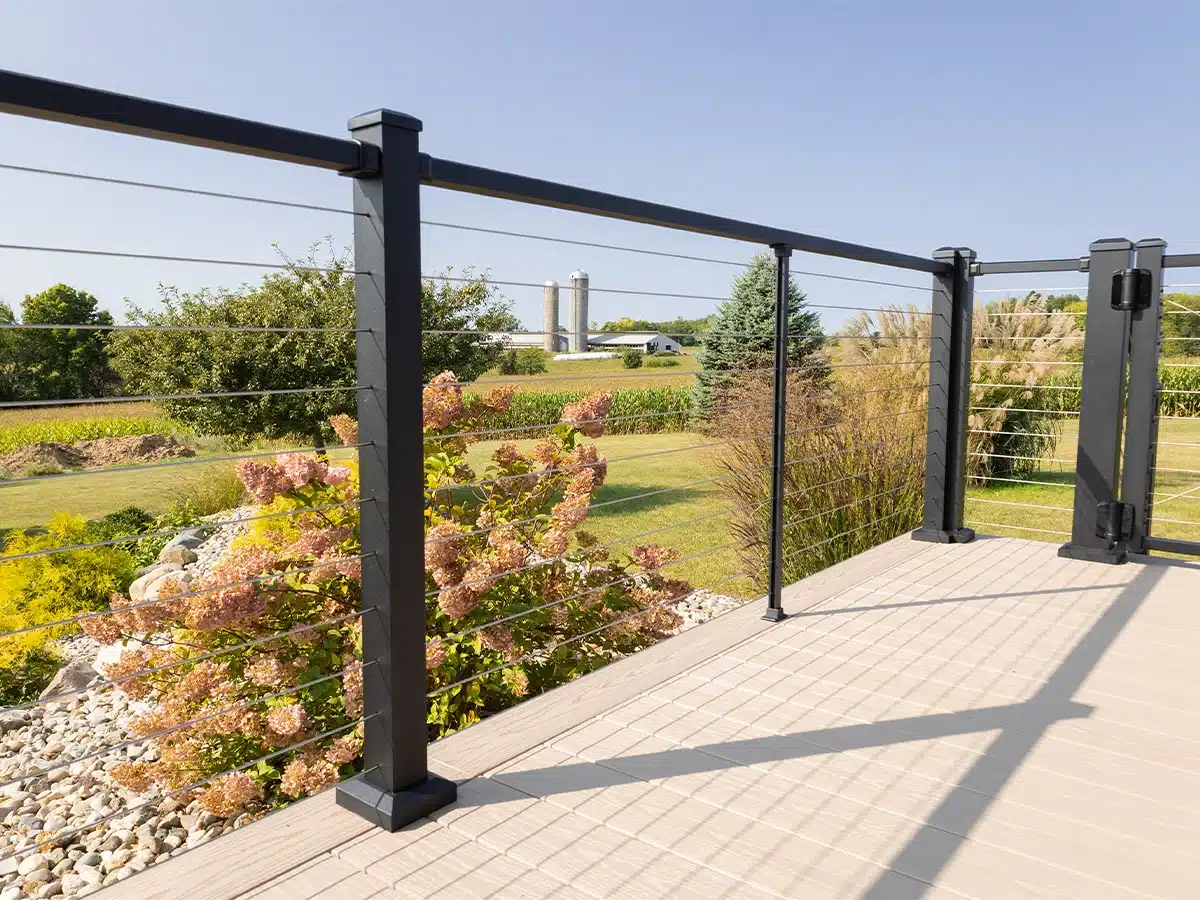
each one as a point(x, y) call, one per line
point(742, 335)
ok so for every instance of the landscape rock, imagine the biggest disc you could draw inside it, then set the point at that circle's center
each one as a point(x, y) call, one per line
point(177, 554)
point(137, 590)
point(74, 676)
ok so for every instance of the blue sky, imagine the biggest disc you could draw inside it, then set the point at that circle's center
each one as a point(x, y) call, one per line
point(1019, 129)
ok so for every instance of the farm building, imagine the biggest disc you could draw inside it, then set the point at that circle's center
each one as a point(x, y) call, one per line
point(646, 341)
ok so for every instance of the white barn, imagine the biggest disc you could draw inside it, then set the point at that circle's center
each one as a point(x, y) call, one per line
point(646, 341)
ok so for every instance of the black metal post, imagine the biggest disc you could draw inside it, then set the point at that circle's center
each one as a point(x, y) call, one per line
point(1101, 407)
point(783, 255)
point(1141, 418)
point(395, 787)
point(949, 400)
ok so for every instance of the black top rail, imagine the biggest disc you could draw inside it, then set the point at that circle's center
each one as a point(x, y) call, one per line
point(57, 101)
point(1021, 266)
point(1181, 261)
point(470, 179)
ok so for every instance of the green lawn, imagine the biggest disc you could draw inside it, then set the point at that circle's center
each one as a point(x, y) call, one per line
point(692, 517)
point(1176, 494)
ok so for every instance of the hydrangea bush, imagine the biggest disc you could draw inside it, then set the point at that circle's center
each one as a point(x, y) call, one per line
point(262, 656)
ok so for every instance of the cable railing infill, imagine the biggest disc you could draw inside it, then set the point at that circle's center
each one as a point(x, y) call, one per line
point(1042, 506)
point(991, 478)
point(850, 531)
point(171, 464)
point(249, 329)
point(205, 395)
point(659, 491)
point(159, 257)
point(258, 579)
point(245, 704)
point(172, 532)
point(123, 813)
point(554, 646)
point(1016, 527)
point(175, 189)
point(1048, 412)
point(557, 469)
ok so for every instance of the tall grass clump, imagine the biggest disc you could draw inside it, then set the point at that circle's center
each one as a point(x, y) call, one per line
point(1018, 346)
point(853, 476)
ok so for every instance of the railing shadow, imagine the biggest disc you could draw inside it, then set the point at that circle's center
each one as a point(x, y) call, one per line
point(927, 853)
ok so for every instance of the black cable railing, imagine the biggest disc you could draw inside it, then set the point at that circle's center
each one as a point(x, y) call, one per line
point(460, 534)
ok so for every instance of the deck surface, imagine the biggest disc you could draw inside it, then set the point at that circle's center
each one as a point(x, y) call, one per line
point(979, 721)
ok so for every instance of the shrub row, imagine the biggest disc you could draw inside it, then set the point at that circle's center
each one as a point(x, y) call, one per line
point(1171, 377)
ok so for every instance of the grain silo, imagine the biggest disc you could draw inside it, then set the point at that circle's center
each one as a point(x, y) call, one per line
point(578, 342)
point(550, 317)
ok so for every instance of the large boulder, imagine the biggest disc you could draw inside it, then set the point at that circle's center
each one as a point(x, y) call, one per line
point(137, 590)
point(71, 678)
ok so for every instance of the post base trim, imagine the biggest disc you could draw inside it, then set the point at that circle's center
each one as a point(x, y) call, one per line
point(942, 536)
point(774, 615)
point(392, 810)
point(1113, 556)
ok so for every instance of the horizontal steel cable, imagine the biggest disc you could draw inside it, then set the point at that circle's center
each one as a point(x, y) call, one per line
point(552, 647)
point(179, 190)
point(39, 326)
point(660, 253)
point(624, 579)
point(571, 468)
point(1030, 337)
point(120, 814)
point(667, 490)
point(1180, 418)
point(1012, 503)
point(1178, 444)
point(670, 412)
point(997, 315)
point(258, 579)
point(1021, 362)
point(1175, 521)
point(1082, 292)
point(1176, 391)
point(1026, 481)
point(1016, 527)
point(827, 540)
point(1049, 412)
point(191, 461)
point(209, 395)
point(246, 704)
point(1039, 387)
point(206, 526)
point(638, 293)
point(120, 254)
point(725, 511)
point(1044, 434)
point(1066, 462)
point(518, 380)
point(1180, 471)
point(1185, 495)
point(826, 512)
point(1168, 365)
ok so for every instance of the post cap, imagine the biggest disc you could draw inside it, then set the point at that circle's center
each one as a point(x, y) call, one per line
point(944, 253)
point(1151, 242)
point(387, 117)
point(1111, 244)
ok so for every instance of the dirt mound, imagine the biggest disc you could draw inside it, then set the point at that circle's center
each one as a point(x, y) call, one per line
point(137, 448)
point(40, 458)
point(46, 457)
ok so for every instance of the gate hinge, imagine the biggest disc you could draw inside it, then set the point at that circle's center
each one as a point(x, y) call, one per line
point(1131, 289)
point(1114, 521)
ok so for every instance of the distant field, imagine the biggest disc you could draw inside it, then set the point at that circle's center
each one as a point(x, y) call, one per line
point(564, 375)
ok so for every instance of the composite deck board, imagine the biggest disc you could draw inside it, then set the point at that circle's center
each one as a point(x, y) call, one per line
point(931, 722)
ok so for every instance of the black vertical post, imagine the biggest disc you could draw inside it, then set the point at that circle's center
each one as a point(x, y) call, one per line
point(949, 399)
point(395, 787)
point(1101, 406)
point(783, 255)
point(1141, 418)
